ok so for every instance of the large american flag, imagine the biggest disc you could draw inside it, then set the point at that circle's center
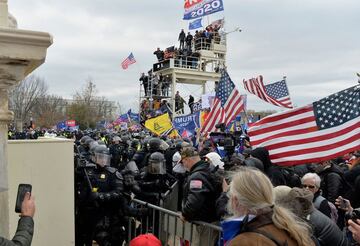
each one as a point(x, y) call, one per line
point(326, 129)
point(276, 93)
point(128, 61)
point(227, 104)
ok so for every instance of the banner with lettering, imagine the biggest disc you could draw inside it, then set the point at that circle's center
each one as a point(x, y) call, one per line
point(196, 106)
point(199, 8)
point(187, 124)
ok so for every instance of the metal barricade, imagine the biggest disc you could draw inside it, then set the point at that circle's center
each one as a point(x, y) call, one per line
point(170, 229)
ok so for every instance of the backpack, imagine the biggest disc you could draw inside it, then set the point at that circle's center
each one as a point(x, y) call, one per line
point(334, 212)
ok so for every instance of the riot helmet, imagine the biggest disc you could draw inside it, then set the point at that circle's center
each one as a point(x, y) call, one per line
point(156, 164)
point(116, 139)
point(100, 155)
point(92, 146)
point(83, 139)
point(135, 144)
point(154, 144)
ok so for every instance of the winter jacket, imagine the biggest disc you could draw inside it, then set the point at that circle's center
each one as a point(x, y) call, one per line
point(200, 195)
point(261, 223)
point(331, 182)
point(23, 235)
point(324, 205)
point(325, 230)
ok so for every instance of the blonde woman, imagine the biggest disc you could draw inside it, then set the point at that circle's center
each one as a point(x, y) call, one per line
point(251, 196)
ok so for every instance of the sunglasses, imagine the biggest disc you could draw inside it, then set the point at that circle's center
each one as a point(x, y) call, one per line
point(308, 186)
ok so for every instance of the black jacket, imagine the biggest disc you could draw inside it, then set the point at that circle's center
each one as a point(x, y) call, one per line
point(326, 231)
point(331, 182)
point(200, 195)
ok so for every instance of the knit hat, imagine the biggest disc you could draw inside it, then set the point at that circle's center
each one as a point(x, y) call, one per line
point(145, 240)
point(300, 201)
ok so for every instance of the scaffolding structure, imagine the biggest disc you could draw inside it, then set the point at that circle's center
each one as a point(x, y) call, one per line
point(180, 69)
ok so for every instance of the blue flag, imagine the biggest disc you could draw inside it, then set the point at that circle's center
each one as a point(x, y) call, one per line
point(195, 24)
point(187, 124)
point(200, 8)
point(61, 125)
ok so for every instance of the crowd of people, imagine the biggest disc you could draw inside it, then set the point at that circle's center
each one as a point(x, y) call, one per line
point(310, 204)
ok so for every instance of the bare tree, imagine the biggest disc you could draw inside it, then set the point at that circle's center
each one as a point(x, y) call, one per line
point(49, 110)
point(24, 97)
point(88, 108)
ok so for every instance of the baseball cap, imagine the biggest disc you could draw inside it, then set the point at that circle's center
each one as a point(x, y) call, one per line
point(145, 240)
point(188, 152)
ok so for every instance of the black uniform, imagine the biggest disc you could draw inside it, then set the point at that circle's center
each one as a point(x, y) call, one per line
point(200, 194)
point(100, 210)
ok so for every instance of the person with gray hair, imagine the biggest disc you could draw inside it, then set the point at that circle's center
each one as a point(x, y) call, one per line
point(299, 201)
point(311, 182)
point(263, 222)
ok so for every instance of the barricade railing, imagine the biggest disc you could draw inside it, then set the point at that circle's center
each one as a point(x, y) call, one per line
point(170, 229)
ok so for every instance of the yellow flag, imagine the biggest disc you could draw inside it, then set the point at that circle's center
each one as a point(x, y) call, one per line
point(159, 124)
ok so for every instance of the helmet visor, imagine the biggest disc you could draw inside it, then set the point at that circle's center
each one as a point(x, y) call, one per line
point(102, 159)
point(157, 167)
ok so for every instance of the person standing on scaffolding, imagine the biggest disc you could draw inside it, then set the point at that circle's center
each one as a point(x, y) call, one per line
point(191, 103)
point(179, 103)
point(181, 38)
point(145, 82)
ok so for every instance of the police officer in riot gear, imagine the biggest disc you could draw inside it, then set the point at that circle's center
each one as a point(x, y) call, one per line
point(155, 181)
point(99, 215)
point(115, 151)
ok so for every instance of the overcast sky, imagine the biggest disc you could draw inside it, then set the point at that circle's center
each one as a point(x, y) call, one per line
point(316, 44)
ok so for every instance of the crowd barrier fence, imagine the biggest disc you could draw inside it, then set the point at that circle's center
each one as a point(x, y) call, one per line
point(167, 225)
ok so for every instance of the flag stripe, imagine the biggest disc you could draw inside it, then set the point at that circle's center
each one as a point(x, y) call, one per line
point(315, 148)
point(330, 137)
point(213, 117)
point(288, 125)
point(320, 156)
point(227, 104)
point(128, 61)
point(256, 86)
point(326, 129)
point(285, 133)
point(284, 115)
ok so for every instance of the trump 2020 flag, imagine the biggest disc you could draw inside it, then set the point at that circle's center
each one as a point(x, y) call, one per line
point(195, 24)
point(128, 61)
point(321, 131)
point(199, 8)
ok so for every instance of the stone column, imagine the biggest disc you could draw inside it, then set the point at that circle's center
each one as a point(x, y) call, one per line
point(21, 52)
point(5, 118)
point(3, 13)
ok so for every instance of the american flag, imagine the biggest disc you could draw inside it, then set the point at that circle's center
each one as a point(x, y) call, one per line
point(276, 93)
point(128, 61)
point(323, 130)
point(227, 104)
